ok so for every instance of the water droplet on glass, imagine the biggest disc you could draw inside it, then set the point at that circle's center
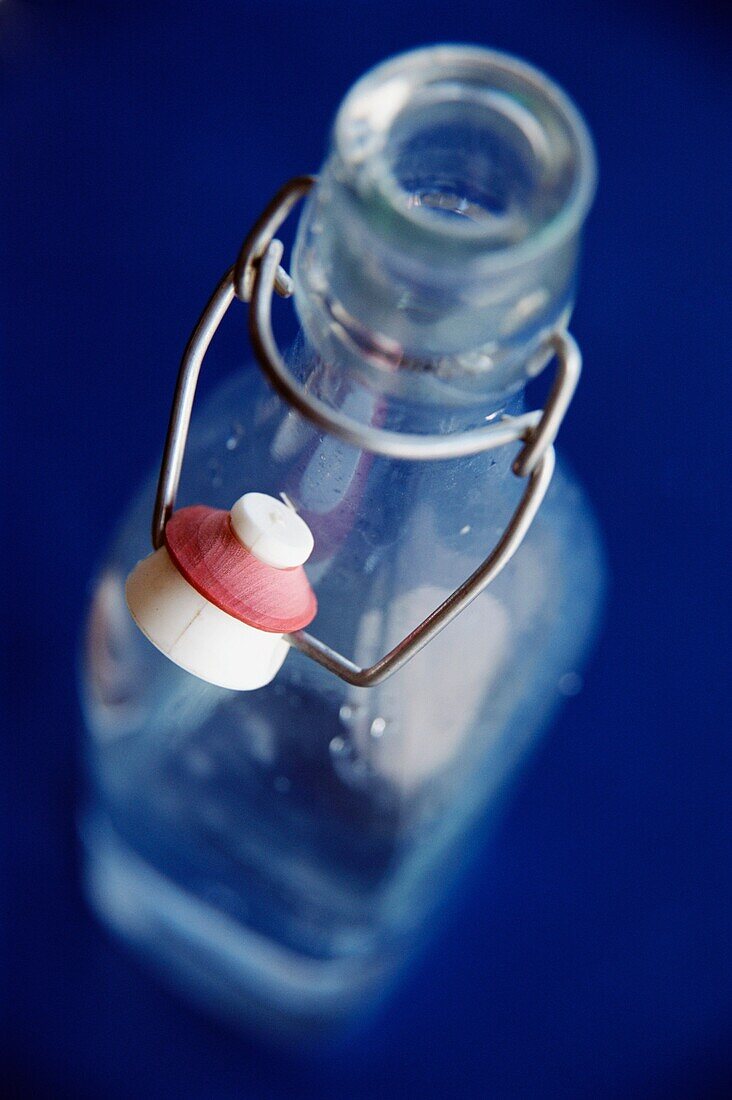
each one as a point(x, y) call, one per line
point(235, 437)
point(347, 763)
point(214, 470)
point(371, 562)
point(571, 683)
point(378, 726)
point(353, 716)
point(464, 530)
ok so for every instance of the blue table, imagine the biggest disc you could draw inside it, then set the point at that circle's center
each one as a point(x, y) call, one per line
point(590, 953)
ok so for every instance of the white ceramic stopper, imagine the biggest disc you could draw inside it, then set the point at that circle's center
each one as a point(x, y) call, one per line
point(196, 634)
point(272, 532)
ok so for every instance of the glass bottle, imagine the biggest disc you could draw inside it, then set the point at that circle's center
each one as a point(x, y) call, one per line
point(281, 851)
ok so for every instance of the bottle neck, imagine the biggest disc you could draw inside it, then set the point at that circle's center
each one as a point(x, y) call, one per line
point(438, 250)
point(345, 382)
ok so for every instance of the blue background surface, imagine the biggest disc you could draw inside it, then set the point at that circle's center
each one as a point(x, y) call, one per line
point(590, 954)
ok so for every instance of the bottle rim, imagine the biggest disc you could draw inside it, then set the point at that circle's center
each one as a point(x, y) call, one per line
point(365, 124)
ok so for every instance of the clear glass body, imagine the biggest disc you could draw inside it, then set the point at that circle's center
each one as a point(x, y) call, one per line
point(282, 851)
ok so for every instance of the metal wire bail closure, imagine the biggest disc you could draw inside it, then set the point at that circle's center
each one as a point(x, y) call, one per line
point(254, 278)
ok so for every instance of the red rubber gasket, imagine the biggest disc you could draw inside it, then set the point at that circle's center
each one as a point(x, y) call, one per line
point(205, 550)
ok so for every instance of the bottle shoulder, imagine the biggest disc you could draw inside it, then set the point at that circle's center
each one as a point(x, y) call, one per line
point(368, 514)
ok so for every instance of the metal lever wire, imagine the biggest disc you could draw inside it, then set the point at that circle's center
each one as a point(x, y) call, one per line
point(417, 447)
point(256, 275)
point(498, 558)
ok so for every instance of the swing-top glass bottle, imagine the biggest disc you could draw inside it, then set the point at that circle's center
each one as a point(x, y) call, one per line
point(281, 851)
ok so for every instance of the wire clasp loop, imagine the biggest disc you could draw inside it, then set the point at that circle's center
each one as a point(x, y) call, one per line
point(261, 235)
point(254, 278)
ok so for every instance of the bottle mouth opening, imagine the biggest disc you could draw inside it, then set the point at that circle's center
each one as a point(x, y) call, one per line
point(468, 150)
